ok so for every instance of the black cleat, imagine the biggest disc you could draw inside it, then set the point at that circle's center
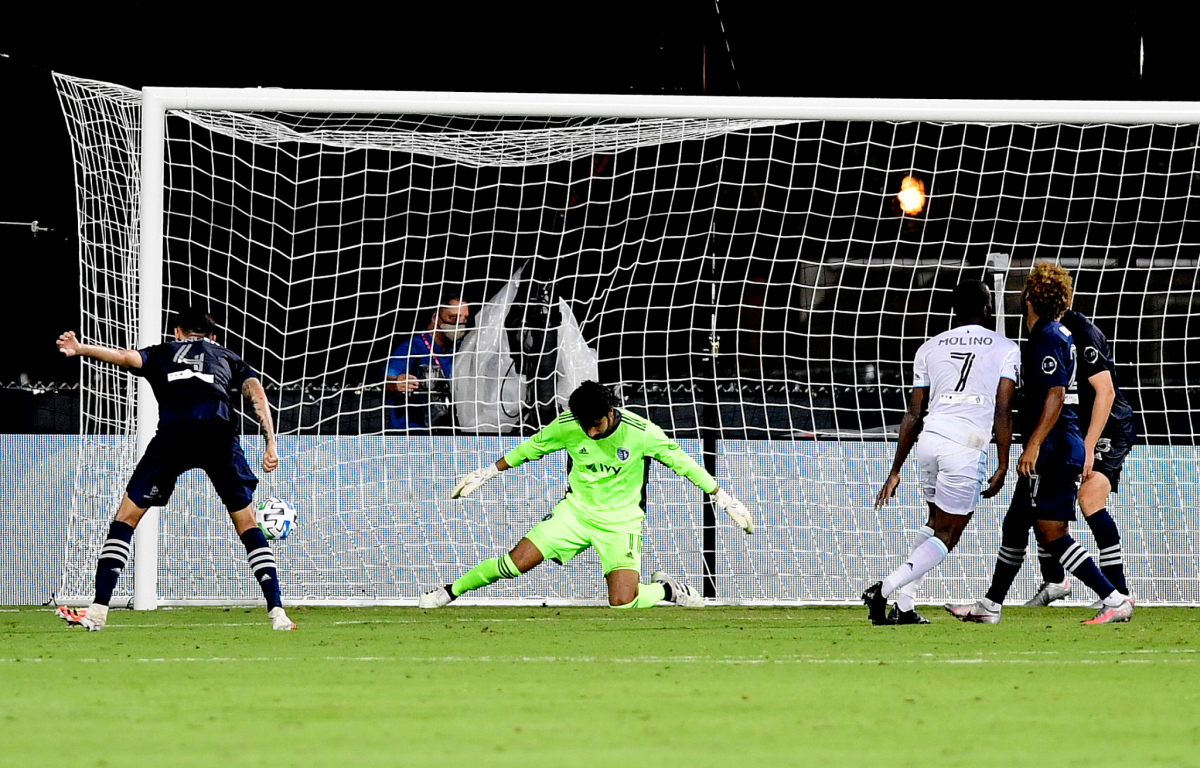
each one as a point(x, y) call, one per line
point(876, 604)
point(897, 616)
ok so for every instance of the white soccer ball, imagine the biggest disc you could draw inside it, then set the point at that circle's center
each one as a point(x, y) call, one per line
point(275, 517)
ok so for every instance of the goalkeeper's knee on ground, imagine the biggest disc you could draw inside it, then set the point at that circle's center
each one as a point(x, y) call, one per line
point(648, 596)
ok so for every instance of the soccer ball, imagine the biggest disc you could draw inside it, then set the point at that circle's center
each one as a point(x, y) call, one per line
point(275, 518)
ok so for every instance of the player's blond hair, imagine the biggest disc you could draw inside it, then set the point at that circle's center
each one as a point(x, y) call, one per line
point(1048, 290)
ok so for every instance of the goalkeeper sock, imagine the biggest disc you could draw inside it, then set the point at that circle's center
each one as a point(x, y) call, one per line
point(114, 556)
point(906, 598)
point(1014, 538)
point(1052, 570)
point(648, 596)
point(487, 572)
point(1077, 560)
point(924, 558)
point(1108, 541)
point(262, 562)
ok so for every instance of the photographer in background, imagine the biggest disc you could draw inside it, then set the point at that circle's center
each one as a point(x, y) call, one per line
point(418, 371)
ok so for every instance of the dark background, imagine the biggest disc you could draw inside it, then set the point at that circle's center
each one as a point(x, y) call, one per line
point(746, 48)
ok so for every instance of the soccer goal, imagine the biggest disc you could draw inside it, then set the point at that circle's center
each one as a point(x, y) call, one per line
point(742, 269)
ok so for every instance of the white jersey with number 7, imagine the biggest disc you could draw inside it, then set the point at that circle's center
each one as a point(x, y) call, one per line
point(962, 368)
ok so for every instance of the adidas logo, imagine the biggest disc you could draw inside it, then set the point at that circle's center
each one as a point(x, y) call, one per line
point(582, 449)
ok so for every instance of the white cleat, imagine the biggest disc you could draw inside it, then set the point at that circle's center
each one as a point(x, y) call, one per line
point(280, 620)
point(1048, 593)
point(93, 618)
point(975, 612)
point(1113, 614)
point(682, 594)
point(435, 598)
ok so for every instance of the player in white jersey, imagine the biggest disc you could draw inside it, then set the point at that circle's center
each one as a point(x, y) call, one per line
point(963, 384)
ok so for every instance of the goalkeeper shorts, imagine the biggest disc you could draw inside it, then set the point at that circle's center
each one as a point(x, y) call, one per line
point(564, 535)
point(952, 475)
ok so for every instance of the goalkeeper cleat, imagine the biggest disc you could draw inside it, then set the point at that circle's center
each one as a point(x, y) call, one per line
point(93, 618)
point(435, 598)
point(1113, 614)
point(876, 604)
point(1048, 593)
point(682, 594)
point(280, 620)
point(975, 612)
point(898, 617)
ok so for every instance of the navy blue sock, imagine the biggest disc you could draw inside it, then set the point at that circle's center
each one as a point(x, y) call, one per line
point(1108, 541)
point(114, 556)
point(1052, 570)
point(1076, 560)
point(262, 562)
point(1013, 540)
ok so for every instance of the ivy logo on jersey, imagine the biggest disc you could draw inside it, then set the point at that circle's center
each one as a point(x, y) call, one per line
point(1091, 354)
point(622, 454)
point(1049, 364)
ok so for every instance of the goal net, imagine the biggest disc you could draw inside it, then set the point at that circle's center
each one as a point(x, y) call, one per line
point(748, 282)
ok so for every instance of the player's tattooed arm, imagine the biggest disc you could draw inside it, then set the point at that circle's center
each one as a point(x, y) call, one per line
point(71, 346)
point(1002, 428)
point(910, 427)
point(253, 389)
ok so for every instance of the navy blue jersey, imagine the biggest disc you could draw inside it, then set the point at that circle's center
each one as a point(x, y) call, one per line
point(1048, 361)
point(1094, 356)
point(192, 379)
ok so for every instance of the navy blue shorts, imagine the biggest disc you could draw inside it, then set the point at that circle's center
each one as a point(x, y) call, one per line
point(212, 447)
point(1050, 493)
point(1110, 457)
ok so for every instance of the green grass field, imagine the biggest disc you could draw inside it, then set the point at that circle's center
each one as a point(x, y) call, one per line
point(590, 686)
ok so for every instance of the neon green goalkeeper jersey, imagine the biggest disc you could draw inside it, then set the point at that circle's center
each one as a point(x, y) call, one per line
point(607, 475)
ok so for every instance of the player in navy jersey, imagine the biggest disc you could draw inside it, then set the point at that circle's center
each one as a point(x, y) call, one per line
point(192, 378)
point(1053, 457)
point(1107, 417)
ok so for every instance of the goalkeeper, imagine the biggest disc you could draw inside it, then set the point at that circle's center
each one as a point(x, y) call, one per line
point(609, 450)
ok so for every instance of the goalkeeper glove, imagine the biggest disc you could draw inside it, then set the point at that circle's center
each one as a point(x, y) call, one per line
point(469, 482)
point(735, 509)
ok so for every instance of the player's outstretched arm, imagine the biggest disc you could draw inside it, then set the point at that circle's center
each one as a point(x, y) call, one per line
point(667, 451)
point(547, 440)
point(910, 427)
point(70, 346)
point(253, 389)
point(1002, 428)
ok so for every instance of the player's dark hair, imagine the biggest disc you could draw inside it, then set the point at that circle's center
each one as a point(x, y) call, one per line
point(972, 300)
point(194, 320)
point(590, 402)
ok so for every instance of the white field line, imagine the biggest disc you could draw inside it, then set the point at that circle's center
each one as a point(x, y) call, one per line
point(728, 660)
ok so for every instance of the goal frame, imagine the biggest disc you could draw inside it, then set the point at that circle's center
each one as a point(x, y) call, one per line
point(157, 101)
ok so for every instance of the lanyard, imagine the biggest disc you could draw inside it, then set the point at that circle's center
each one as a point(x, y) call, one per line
point(429, 343)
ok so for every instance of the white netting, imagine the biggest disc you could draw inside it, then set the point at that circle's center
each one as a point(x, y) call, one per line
point(323, 241)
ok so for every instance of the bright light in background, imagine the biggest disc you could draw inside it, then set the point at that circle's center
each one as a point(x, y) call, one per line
point(912, 195)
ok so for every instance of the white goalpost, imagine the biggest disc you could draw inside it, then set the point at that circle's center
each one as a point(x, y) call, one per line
point(737, 267)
